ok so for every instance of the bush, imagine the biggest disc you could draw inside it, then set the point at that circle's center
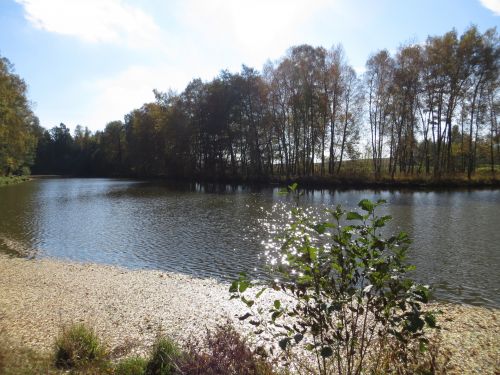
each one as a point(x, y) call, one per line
point(223, 352)
point(24, 171)
point(77, 347)
point(348, 297)
point(131, 366)
point(164, 357)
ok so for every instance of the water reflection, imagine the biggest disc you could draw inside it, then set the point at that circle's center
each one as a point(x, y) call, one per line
point(217, 230)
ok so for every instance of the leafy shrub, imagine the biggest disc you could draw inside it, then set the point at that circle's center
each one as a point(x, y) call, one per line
point(348, 299)
point(24, 171)
point(78, 346)
point(223, 352)
point(131, 366)
point(164, 357)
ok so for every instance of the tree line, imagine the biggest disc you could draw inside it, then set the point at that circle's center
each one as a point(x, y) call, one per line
point(428, 109)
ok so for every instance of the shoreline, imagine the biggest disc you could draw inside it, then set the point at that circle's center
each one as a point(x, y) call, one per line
point(13, 180)
point(355, 182)
point(39, 297)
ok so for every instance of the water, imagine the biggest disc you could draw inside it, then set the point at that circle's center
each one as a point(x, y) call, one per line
point(216, 231)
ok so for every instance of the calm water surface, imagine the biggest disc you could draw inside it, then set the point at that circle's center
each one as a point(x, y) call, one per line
point(216, 231)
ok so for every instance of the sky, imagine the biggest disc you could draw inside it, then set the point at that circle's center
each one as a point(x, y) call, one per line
point(89, 62)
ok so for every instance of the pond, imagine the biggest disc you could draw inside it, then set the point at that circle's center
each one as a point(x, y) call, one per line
point(218, 230)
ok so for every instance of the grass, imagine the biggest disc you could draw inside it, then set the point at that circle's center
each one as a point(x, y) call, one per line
point(79, 347)
point(78, 350)
point(359, 174)
point(164, 357)
point(131, 366)
point(223, 351)
point(11, 180)
point(347, 180)
point(23, 361)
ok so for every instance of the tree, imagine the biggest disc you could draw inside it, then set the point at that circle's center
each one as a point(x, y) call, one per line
point(379, 76)
point(17, 122)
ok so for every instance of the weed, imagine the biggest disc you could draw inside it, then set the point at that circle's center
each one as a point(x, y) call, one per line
point(78, 346)
point(223, 352)
point(164, 357)
point(131, 366)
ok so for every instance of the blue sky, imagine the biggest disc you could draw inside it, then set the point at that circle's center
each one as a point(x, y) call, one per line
point(89, 62)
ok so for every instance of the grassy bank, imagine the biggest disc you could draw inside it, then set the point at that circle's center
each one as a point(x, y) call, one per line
point(222, 351)
point(398, 182)
point(11, 180)
point(350, 179)
point(78, 349)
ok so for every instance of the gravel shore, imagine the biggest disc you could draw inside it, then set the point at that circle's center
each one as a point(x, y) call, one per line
point(39, 297)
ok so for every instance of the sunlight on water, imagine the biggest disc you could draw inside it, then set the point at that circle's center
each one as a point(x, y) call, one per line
point(222, 230)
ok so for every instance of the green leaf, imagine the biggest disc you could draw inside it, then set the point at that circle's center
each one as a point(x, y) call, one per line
point(247, 302)
point(283, 191)
point(366, 205)
point(260, 292)
point(275, 315)
point(305, 279)
point(234, 287)
point(321, 227)
point(422, 346)
point(298, 337)
point(326, 351)
point(309, 347)
point(354, 216)
point(313, 253)
point(422, 294)
point(243, 286)
point(246, 316)
point(283, 343)
point(414, 323)
point(277, 304)
point(430, 319)
point(380, 222)
point(337, 268)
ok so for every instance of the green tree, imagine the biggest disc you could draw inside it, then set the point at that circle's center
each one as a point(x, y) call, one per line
point(17, 122)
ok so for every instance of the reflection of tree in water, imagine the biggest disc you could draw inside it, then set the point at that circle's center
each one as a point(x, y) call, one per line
point(18, 219)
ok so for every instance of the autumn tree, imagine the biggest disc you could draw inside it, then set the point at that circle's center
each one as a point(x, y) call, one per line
point(17, 122)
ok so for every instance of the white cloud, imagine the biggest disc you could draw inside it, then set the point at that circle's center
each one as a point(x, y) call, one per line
point(251, 30)
point(116, 96)
point(493, 5)
point(106, 21)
